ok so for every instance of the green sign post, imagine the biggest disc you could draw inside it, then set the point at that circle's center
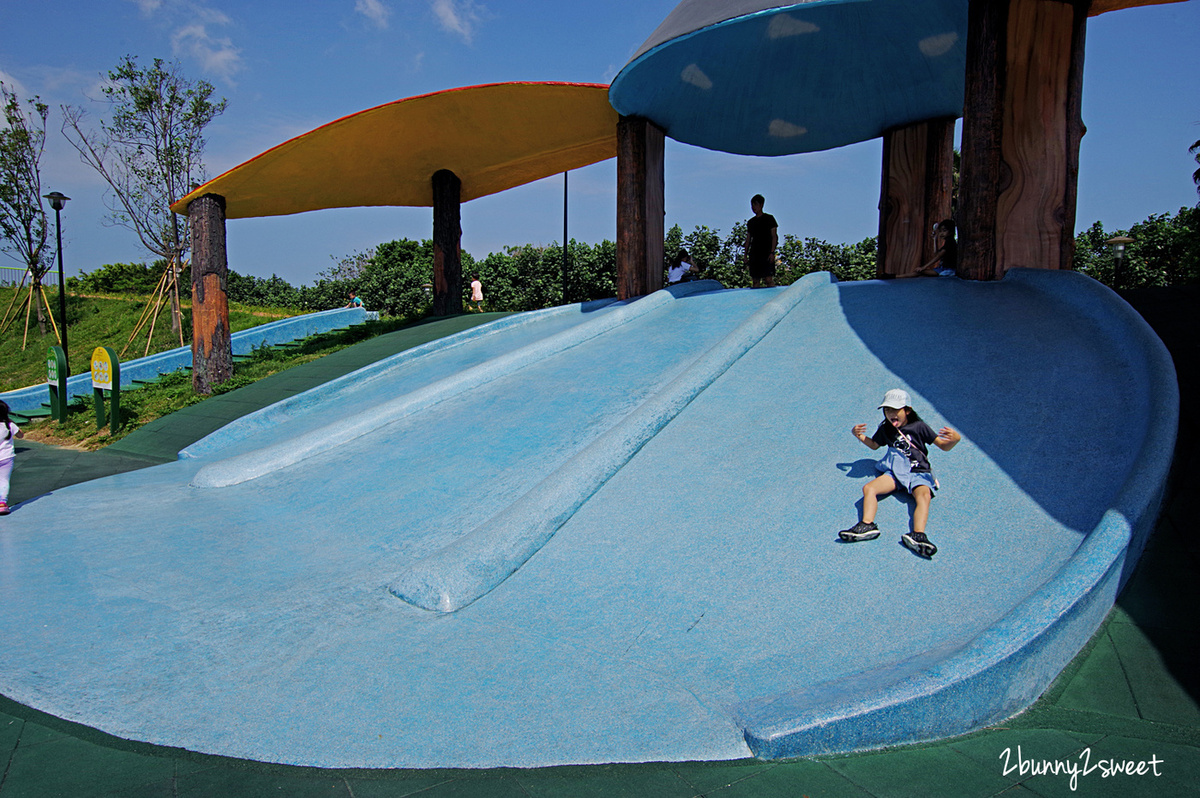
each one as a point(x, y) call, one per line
point(57, 372)
point(106, 376)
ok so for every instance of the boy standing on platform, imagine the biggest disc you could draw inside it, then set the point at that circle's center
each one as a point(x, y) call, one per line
point(762, 237)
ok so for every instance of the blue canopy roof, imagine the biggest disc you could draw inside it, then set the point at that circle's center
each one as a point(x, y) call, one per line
point(757, 77)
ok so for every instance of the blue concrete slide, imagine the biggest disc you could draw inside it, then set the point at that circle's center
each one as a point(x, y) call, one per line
point(608, 533)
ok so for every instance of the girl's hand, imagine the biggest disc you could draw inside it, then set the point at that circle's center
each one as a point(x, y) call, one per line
point(946, 439)
point(859, 431)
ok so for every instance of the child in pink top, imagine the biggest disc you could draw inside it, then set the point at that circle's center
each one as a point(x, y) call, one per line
point(8, 432)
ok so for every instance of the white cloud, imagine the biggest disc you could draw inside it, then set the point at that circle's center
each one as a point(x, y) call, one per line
point(193, 24)
point(217, 54)
point(12, 84)
point(148, 6)
point(459, 16)
point(374, 10)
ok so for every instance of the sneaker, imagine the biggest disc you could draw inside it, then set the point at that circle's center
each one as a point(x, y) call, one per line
point(859, 531)
point(919, 544)
point(4, 509)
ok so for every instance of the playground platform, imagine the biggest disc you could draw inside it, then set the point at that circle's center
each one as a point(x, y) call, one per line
point(696, 777)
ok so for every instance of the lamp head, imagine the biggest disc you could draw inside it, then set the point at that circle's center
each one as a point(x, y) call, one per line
point(1118, 243)
point(57, 199)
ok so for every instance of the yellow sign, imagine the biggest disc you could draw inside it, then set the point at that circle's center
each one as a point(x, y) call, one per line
point(102, 369)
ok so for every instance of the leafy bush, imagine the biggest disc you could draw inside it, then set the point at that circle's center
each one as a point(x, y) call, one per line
point(724, 259)
point(1165, 251)
point(392, 281)
point(273, 291)
point(126, 278)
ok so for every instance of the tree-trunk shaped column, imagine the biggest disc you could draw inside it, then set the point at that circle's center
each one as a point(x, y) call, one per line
point(1021, 134)
point(918, 177)
point(212, 349)
point(640, 207)
point(447, 243)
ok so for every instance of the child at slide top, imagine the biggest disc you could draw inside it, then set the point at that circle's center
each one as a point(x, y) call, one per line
point(8, 431)
point(906, 466)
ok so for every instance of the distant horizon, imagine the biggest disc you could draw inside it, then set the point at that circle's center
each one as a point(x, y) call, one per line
point(345, 57)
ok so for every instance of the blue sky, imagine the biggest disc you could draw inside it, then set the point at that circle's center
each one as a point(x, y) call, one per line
point(288, 67)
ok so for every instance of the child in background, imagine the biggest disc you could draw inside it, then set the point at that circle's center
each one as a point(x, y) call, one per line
point(944, 262)
point(906, 465)
point(8, 432)
point(682, 271)
point(477, 293)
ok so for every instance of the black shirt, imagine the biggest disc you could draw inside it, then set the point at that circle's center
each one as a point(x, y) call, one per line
point(759, 229)
point(913, 439)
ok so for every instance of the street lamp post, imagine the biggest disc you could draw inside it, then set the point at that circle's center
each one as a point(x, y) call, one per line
point(57, 200)
point(1118, 244)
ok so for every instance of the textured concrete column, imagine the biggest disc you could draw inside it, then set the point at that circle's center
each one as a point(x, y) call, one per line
point(447, 243)
point(212, 350)
point(1021, 134)
point(640, 207)
point(918, 177)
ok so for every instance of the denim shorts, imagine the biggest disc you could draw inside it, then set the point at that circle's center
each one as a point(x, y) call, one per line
point(896, 465)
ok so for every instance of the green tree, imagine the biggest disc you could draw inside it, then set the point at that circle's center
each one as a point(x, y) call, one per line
point(1165, 251)
point(273, 291)
point(593, 271)
point(120, 278)
point(23, 228)
point(522, 278)
point(149, 152)
point(704, 245)
point(392, 281)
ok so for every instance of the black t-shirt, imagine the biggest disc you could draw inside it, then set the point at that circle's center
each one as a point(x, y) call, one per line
point(950, 255)
point(759, 229)
point(913, 439)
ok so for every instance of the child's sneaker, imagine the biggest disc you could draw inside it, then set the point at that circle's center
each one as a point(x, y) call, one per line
point(4, 509)
point(859, 531)
point(919, 544)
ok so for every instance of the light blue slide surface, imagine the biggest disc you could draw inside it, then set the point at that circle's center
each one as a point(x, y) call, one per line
point(609, 534)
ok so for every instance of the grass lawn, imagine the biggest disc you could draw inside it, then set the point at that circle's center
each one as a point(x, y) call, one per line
point(108, 321)
point(103, 320)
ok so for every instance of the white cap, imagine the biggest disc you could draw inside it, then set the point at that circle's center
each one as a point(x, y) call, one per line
point(896, 399)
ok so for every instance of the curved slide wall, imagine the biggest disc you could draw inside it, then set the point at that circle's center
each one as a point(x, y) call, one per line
point(612, 532)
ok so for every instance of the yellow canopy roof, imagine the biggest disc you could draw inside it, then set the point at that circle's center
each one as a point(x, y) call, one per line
point(1104, 6)
point(494, 137)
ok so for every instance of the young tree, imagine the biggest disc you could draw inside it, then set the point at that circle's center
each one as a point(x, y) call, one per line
point(23, 228)
point(149, 151)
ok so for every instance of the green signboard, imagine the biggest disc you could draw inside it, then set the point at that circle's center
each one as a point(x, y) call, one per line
point(57, 372)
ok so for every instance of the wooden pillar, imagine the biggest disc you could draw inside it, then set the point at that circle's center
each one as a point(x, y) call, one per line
point(1021, 134)
point(212, 349)
point(918, 177)
point(640, 207)
point(447, 243)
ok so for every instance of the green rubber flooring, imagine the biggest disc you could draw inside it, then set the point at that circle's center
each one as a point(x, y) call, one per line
point(1130, 701)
